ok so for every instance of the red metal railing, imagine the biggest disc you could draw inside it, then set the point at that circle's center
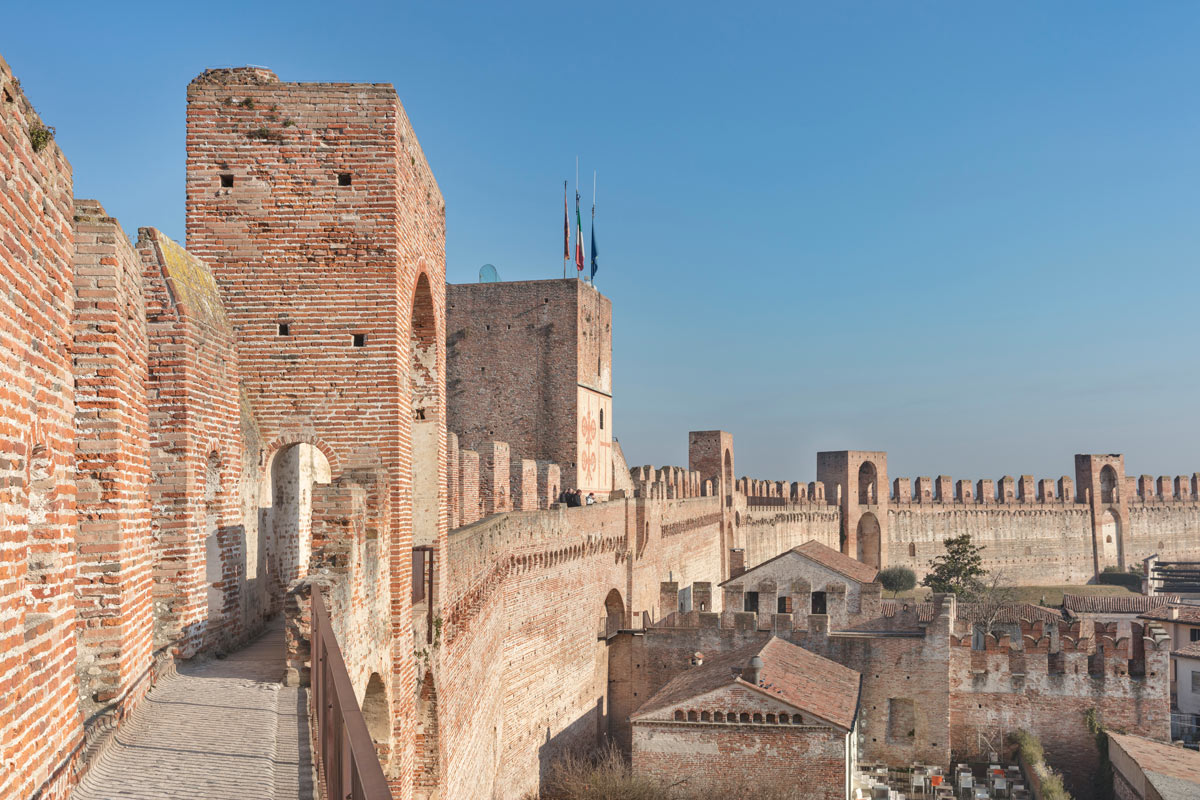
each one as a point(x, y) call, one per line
point(346, 755)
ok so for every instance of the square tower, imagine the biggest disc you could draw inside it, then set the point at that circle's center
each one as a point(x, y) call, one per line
point(530, 364)
point(860, 478)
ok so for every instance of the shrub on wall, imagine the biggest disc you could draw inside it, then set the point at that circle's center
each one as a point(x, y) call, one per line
point(1033, 758)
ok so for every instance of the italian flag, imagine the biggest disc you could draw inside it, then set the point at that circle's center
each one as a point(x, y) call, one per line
point(578, 235)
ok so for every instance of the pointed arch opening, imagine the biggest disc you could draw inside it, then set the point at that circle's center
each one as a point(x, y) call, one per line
point(293, 470)
point(1108, 484)
point(868, 540)
point(868, 484)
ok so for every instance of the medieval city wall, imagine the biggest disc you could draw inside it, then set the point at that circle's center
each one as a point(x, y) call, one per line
point(40, 730)
point(1168, 527)
point(765, 531)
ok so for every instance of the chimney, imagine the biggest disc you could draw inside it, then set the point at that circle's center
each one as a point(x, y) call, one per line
point(753, 672)
point(697, 659)
point(1173, 612)
point(737, 562)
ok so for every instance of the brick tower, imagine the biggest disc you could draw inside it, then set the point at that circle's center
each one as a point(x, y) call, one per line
point(861, 478)
point(325, 230)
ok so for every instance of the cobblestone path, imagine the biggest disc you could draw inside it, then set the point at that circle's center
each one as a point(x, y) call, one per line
point(219, 730)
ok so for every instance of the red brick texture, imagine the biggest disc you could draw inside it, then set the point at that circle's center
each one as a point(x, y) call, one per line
point(112, 461)
point(334, 227)
point(39, 726)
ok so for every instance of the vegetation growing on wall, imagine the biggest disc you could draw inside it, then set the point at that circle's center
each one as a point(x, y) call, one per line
point(1034, 759)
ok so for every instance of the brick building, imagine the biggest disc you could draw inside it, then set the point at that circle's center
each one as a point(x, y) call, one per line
point(771, 715)
point(530, 364)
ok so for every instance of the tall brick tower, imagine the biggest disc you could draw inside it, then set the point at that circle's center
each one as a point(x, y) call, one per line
point(861, 477)
point(1100, 482)
point(531, 365)
point(325, 230)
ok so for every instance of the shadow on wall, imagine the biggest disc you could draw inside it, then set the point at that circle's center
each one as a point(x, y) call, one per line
point(582, 737)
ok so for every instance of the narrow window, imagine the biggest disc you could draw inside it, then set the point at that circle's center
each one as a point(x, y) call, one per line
point(284, 329)
point(602, 419)
point(360, 340)
point(785, 605)
point(751, 602)
point(226, 180)
point(1195, 634)
point(818, 603)
point(343, 179)
point(1195, 681)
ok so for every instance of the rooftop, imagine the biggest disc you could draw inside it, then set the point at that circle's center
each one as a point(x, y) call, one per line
point(1173, 771)
point(790, 674)
point(1075, 604)
point(826, 557)
point(1189, 615)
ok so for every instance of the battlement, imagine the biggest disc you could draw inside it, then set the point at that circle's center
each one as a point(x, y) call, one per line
point(1146, 489)
point(779, 493)
point(669, 483)
point(492, 479)
point(1007, 490)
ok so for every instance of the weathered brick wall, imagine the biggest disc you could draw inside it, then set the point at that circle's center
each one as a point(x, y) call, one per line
point(677, 540)
point(112, 463)
point(766, 531)
point(329, 248)
point(741, 756)
point(196, 452)
point(40, 730)
point(1047, 684)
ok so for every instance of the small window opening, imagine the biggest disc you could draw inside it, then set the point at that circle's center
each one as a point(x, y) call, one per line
point(785, 605)
point(8, 98)
point(360, 340)
point(344, 179)
point(751, 602)
point(226, 180)
point(420, 414)
point(602, 419)
point(285, 329)
point(818, 603)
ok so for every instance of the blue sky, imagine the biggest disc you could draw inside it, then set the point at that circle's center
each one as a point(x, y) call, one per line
point(963, 233)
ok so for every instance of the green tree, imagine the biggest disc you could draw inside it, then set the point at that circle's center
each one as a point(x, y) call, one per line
point(958, 570)
point(898, 579)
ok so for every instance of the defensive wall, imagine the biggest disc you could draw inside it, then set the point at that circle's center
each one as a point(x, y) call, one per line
point(1047, 531)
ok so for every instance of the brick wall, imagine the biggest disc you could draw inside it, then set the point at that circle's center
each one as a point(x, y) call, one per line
point(196, 452)
point(334, 228)
point(112, 464)
point(40, 729)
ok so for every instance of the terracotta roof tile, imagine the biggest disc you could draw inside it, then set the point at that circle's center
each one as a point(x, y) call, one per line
point(1011, 613)
point(1190, 650)
point(1174, 772)
point(1114, 604)
point(925, 610)
point(1186, 614)
point(790, 674)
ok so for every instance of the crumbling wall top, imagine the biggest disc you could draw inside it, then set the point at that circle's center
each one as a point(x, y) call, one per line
point(237, 76)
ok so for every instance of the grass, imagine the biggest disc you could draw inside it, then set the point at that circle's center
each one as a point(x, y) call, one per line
point(1040, 595)
point(605, 775)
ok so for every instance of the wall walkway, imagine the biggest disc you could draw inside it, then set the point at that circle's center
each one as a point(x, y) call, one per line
point(219, 729)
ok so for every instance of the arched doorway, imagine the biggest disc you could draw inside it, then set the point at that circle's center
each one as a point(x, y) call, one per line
point(868, 490)
point(425, 413)
point(293, 471)
point(868, 540)
point(378, 717)
point(1110, 539)
point(428, 777)
point(1108, 484)
point(614, 613)
point(214, 578)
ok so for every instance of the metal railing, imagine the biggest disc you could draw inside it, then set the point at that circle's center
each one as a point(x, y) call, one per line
point(346, 755)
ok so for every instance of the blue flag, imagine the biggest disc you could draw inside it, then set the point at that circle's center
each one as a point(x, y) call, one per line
point(595, 263)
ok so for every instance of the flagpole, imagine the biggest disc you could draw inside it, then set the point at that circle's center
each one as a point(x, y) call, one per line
point(567, 232)
point(578, 233)
point(593, 277)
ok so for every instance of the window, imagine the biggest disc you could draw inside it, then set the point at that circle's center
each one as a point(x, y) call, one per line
point(360, 340)
point(818, 603)
point(284, 329)
point(602, 419)
point(1195, 634)
point(751, 602)
point(343, 179)
point(785, 605)
point(226, 180)
point(1195, 681)
point(902, 719)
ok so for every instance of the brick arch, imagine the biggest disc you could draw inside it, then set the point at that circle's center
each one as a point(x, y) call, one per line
point(278, 444)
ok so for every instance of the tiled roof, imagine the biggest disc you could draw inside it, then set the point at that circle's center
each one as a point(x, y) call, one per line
point(790, 674)
point(1186, 614)
point(1114, 604)
point(1174, 772)
point(827, 557)
point(1011, 613)
point(889, 608)
point(1189, 650)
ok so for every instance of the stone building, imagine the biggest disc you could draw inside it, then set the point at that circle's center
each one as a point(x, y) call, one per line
point(765, 715)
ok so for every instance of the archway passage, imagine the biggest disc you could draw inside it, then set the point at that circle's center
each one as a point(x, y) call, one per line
point(378, 718)
point(868, 540)
point(425, 413)
point(427, 781)
point(1110, 540)
point(288, 518)
point(614, 613)
point(868, 490)
point(1108, 484)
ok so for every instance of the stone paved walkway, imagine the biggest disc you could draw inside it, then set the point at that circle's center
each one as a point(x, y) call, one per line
point(219, 730)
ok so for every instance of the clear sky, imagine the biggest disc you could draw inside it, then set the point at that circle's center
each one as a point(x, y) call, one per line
point(963, 233)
